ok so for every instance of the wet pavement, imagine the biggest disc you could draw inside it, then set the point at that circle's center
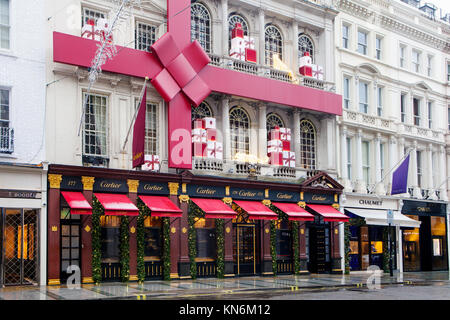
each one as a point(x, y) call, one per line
point(432, 285)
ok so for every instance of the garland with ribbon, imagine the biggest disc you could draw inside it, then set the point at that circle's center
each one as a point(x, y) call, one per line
point(124, 249)
point(194, 212)
point(140, 238)
point(296, 246)
point(166, 248)
point(96, 241)
point(220, 239)
point(273, 248)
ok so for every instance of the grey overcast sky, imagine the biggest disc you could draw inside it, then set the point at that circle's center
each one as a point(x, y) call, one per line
point(443, 4)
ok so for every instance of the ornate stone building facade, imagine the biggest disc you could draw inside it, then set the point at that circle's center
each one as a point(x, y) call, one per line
point(391, 60)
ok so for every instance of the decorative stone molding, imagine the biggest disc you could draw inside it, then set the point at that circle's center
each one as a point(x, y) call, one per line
point(302, 204)
point(184, 198)
point(55, 181)
point(173, 187)
point(266, 202)
point(88, 183)
point(228, 201)
point(133, 186)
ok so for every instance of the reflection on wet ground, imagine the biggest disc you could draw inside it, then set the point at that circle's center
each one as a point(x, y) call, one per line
point(204, 288)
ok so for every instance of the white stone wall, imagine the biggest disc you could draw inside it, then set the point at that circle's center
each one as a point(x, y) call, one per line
point(64, 95)
point(22, 71)
point(392, 21)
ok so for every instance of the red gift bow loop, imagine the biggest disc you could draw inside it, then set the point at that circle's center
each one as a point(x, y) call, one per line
point(180, 70)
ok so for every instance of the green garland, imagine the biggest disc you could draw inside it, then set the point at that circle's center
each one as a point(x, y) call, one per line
point(96, 242)
point(296, 246)
point(347, 236)
point(220, 239)
point(166, 248)
point(385, 250)
point(124, 247)
point(194, 212)
point(273, 248)
point(140, 237)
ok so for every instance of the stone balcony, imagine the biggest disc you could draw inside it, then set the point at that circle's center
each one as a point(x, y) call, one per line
point(268, 72)
point(243, 170)
point(391, 126)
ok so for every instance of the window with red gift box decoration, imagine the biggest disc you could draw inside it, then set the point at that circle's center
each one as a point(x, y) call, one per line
point(89, 14)
point(273, 44)
point(201, 25)
point(234, 18)
point(307, 145)
point(240, 131)
point(273, 120)
point(145, 36)
point(305, 44)
point(202, 111)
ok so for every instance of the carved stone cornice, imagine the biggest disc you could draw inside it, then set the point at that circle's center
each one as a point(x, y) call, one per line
point(54, 181)
point(133, 186)
point(355, 9)
point(88, 183)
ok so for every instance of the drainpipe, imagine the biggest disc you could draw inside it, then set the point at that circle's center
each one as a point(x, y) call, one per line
point(43, 227)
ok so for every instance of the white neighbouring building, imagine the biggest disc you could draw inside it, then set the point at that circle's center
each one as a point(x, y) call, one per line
point(23, 176)
point(392, 61)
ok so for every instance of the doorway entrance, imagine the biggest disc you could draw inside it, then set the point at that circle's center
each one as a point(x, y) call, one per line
point(19, 244)
point(245, 249)
point(70, 247)
point(319, 248)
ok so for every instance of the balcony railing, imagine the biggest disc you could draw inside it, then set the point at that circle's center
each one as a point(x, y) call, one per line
point(267, 72)
point(207, 164)
point(6, 140)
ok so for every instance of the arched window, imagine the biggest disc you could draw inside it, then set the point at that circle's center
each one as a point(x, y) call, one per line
point(305, 44)
point(234, 18)
point(201, 26)
point(239, 131)
point(202, 111)
point(273, 44)
point(273, 120)
point(307, 145)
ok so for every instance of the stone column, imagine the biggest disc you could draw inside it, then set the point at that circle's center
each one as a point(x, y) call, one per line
point(392, 158)
point(415, 184)
point(174, 233)
point(442, 185)
point(374, 100)
point(262, 132)
point(302, 248)
point(295, 138)
point(335, 249)
point(54, 230)
point(225, 51)
point(132, 194)
point(360, 184)
point(226, 129)
point(86, 233)
point(295, 46)
point(429, 172)
point(355, 105)
point(262, 38)
point(346, 180)
point(380, 184)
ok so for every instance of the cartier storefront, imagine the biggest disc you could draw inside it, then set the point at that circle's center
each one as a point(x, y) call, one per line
point(131, 225)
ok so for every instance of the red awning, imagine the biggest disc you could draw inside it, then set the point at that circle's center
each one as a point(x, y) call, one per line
point(117, 204)
point(161, 206)
point(256, 210)
point(294, 211)
point(329, 213)
point(77, 202)
point(215, 208)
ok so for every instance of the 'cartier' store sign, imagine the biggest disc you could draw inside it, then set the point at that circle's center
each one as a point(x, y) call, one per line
point(284, 196)
point(109, 185)
point(194, 190)
point(318, 198)
point(153, 188)
point(252, 194)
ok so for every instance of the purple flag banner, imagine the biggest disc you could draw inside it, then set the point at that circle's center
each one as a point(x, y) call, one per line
point(139, 133)
point(400, 178)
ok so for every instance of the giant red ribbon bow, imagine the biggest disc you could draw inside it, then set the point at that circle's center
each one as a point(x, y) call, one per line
point(180, 70)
